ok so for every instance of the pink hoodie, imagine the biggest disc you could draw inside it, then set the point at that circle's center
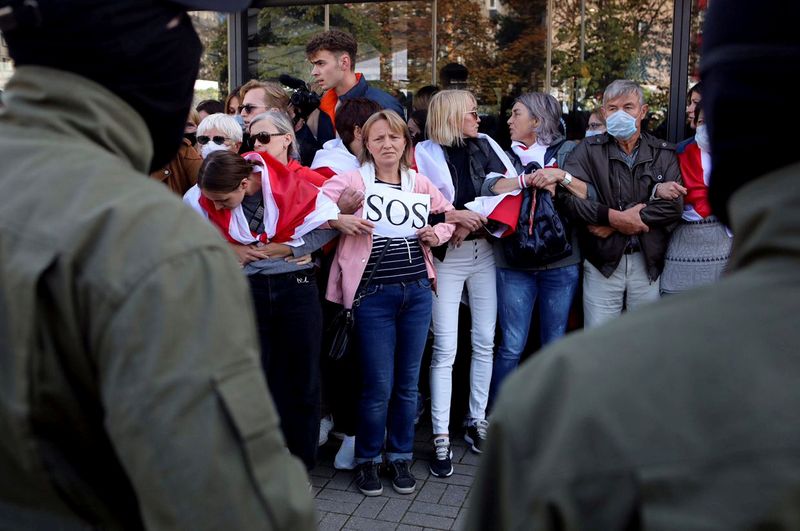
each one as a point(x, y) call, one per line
point(353, 252)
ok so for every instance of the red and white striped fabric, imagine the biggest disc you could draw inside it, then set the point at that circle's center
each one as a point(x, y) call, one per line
point(504, 208)
point(293, 207)
point(334, 155)
point(534, 153)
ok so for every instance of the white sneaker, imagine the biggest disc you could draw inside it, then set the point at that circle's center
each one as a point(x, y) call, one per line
point(346, 456)
point(325, 426)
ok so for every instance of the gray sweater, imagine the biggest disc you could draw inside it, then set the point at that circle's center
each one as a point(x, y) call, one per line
point(275, 266)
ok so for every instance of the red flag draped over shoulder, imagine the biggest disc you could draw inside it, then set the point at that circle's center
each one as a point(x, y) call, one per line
point(692, 174)
point(293, 206)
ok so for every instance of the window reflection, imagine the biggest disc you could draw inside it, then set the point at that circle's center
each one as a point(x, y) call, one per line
point(598, 41)
point(212, 80)
point(495, 48)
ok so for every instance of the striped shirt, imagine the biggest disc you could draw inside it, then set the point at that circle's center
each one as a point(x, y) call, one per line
point(403, 261)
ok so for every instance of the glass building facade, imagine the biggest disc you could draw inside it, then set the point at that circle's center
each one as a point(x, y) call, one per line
point(496, 48)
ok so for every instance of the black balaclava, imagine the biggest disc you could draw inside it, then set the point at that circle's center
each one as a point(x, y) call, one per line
point(126, 46)
point(750, 56)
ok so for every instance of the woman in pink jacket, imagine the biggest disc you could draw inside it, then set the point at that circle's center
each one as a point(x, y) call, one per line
point(393, 314)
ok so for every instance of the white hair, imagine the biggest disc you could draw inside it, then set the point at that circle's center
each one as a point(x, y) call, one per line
point(223, 123)
point(620, 87)
point(282, 123)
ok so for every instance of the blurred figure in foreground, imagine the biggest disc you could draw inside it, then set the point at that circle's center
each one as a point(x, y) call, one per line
point(131, 393)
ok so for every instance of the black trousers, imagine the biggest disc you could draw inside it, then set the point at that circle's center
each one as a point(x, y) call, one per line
point(289, 320)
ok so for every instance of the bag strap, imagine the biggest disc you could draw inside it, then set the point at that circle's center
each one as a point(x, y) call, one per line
point(258, 217)
point(363, 289)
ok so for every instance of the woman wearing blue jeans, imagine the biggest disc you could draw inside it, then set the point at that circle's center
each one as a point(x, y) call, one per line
point(536, 137)
point(393, 312)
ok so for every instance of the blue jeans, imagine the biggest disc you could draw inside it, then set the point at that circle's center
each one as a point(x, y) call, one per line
point(392, 324)
point(517, 291)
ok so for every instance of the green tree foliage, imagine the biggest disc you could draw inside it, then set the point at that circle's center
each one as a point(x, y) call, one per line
point(521, 38)
point(623, 39)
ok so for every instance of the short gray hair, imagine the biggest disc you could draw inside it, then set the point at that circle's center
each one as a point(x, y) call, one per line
point(547, 111)
point(283, 124)
point(620, 87)
point(224, 123)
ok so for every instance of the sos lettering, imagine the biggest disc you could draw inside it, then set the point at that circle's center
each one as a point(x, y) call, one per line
point(396, 212)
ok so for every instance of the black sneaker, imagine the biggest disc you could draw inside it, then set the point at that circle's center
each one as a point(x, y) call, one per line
point(367, 479)
point(476, 435)
point(403, 481)
point(441, 465)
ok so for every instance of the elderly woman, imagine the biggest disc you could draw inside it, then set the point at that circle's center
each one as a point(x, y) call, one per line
point(393, 313)
point(219, 132)
point(457, 159)
point(272, 132)
point(272, 216)
point(536, 137)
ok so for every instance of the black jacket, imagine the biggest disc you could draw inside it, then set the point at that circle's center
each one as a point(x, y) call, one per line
point(598, 161)
point(482, 161)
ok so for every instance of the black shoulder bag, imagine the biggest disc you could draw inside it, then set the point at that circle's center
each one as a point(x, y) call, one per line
point(541, 237)
point(341, 326)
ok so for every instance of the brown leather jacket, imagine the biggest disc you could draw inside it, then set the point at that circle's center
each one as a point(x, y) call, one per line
point(598, 161)
point(181, 172)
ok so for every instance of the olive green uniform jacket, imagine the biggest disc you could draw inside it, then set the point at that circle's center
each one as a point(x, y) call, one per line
point(682, 416)
point(131, 393)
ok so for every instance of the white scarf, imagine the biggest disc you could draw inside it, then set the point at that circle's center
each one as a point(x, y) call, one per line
point(535, 153)
point(408, 177)
point(432, 164)
point(334, 155)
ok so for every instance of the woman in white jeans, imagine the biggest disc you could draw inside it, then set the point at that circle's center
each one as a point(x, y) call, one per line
point(457, 159)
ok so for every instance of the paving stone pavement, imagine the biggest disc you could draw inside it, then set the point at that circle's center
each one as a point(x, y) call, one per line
point(438, 503)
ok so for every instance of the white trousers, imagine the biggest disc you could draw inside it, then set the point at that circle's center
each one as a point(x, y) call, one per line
point(603, 298)
point(471, 264)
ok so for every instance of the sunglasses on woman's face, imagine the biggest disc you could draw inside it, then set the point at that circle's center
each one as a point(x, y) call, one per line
point(264, 138)
point(218, 140)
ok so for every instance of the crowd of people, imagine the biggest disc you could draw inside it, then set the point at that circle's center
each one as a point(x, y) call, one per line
point(172, 359)
point(287, 188)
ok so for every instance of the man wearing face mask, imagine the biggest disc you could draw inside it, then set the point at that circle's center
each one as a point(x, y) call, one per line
point(131, 393)
point(627, 228)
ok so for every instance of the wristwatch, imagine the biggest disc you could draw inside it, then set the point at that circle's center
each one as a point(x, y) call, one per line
point(566, 180)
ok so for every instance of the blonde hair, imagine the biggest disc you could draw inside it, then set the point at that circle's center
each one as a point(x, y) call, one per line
point(396, 125)
point(194, 117)
point(275, 97)
point(446, 114)
point(282, 123)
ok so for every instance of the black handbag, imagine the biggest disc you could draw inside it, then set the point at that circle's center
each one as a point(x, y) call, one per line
point(341, 326)
point(541, 236)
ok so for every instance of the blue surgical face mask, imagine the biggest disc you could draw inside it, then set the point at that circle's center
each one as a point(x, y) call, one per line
point(592, 132)
point(701, 137)
point(621, 125)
